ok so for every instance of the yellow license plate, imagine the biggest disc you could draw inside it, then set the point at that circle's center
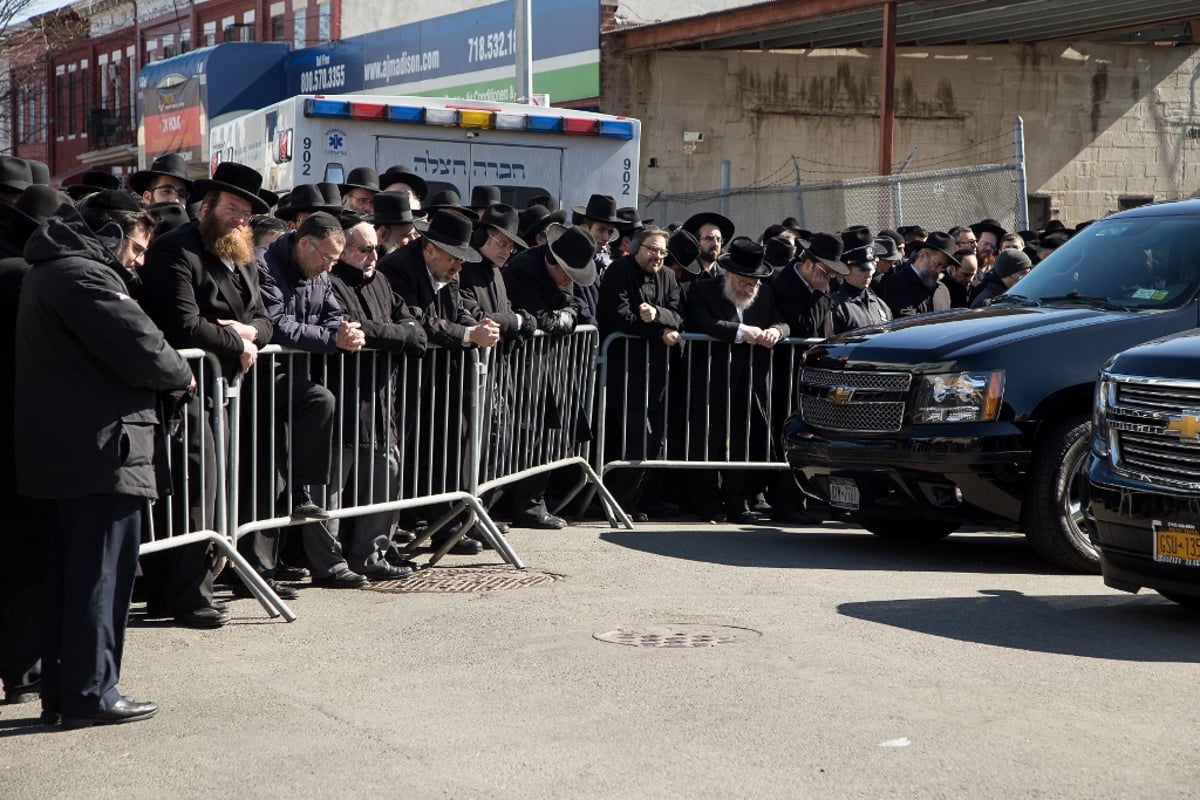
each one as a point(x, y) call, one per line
point(1176, 543)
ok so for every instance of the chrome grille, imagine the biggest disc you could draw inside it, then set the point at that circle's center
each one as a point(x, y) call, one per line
point(868, 402)
point(1144, 445)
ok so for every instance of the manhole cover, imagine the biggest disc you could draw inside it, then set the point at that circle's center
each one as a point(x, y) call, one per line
point(681, 634)
point(465, 580)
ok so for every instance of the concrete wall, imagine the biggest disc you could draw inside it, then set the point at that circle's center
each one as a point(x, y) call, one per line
point(1102, 122)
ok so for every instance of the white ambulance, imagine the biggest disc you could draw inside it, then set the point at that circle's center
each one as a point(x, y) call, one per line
point(453, 144)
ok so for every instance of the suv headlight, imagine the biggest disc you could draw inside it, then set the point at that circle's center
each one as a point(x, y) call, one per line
point(959, 397)
point(1104, 387)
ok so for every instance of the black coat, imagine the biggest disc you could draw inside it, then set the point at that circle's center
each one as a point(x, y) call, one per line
point(857, 308)
point(89, 366)
point(733, 380)
point(530, 288)
point(484, 293)
point(806, 312)
point(991, 288)
point(905, 293)
point(958, 294)
point(186, 289)
point(624, 287)
point(443, 314)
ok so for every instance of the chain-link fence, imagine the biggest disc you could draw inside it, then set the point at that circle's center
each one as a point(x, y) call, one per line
point(934, 199)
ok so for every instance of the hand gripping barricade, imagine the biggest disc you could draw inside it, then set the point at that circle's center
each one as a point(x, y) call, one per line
point(536, 414)
point(706, 404)
point(192, 460)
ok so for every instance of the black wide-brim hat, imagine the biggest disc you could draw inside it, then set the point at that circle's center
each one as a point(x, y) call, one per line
point(683, 249)
point(695, 222)
point(311, 198)
point(15, 173)
point(991, 226)
point(536, 218)
point(503, 218)
point(170, 165)
point(745, 258)
point(236, 179)
point(942, 242)
point(599, 208)
point(399, 174)
point(92, 181)
point(448, 200)
point(778, 252)
point(36, 204)
point(450, 231)
point(394, 208)
point(632, 221)
point(361, 178)
point(484, 195)
point(573, 248)
point(827, 249)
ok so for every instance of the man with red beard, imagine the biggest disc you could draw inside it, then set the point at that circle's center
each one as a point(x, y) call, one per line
point(200, 285)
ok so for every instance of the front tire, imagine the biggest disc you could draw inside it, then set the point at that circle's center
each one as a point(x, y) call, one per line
point(1053, 513)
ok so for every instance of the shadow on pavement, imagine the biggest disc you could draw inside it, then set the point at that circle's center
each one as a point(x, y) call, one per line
point(835, 548)
point(1110, 626)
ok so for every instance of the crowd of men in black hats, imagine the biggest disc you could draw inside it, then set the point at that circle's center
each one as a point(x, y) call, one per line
point(102, 286)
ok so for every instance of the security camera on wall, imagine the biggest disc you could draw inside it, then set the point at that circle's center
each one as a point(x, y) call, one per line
point(692, 137)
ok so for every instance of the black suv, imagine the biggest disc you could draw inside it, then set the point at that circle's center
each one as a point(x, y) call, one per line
point(1143, 498)
point(983, 416)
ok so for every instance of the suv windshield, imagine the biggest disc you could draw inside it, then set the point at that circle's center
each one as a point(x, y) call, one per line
point(1138, 263)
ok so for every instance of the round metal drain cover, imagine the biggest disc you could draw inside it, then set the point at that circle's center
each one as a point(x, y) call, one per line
point(680, 634)
point(465, 580)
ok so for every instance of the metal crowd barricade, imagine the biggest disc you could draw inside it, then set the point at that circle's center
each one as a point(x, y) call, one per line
point(193, 444)
point(419, 414)
point(536, 414)
point(704, 405)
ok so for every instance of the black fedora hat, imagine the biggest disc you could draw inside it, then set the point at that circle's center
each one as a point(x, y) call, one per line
point(483, 196)
point(361, 178)
point(15, 173)
point(778, 252)
point(269, 197)
point(402, 174)
point(447, 200)
point(1056, 226)
point(683, 249)
point(394, 208)
point(310, 197)
point(237, 179)
point(989, 225)
point(39, 172)
point(544, 200)
point(695, 222)
point(886, 249)
point(451, 231)
point(745, 258)
point(599, 208)
point(170, 165)
point(92, 181)
point(168, 216)
point(36, 204)
point(504, 219)
point(827, 249)
point(535, 219)
point(858, 246)
point(631, 221)
point(573, 248)
point(942, 242)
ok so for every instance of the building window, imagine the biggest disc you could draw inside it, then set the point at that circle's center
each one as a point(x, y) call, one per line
point(277, 28)
point(210, 34)
point(324, 22)
point(299, 35)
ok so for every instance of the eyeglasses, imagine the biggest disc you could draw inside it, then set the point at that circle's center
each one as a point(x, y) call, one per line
point(171, 191)
point(365, 249)
point(233, 212)
point(712, 237)
point(503, 244)
point(661, 252)
point(137, 247)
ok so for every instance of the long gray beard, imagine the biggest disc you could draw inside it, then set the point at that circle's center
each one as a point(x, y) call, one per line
point(738, 303)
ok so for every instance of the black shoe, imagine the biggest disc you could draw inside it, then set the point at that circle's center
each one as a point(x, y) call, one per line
point(124, 710)
point(27, 695)
point(285, 592)
point(220, 605)
point(401, 536)
point(544, 521)
point(286, 572)
point(309, 510)
point(384, 571)
point(502, 527)
point(343, 578)
point(466, 546)
point(202, 617)
point(48, 717)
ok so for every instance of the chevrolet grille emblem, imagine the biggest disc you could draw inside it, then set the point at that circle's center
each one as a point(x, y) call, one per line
point(1186, 425)
point(840, 395)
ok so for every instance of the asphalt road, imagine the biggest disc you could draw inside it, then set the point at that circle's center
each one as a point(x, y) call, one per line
point(855, 669)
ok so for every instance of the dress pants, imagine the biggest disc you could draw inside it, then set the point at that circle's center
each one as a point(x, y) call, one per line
point(22, 592)
point(376, 480)
point(92, 553)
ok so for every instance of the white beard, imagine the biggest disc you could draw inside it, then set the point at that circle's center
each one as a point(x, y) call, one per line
point(738, 303)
